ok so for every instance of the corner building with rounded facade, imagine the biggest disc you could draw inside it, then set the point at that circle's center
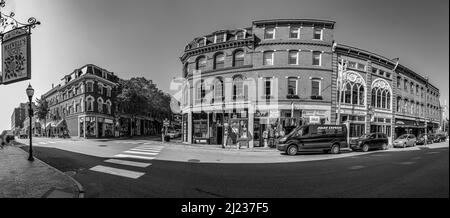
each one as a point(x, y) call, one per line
point(289, 72)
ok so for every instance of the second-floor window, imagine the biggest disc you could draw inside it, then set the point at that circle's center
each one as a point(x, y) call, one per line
point(268, 86)
point(315, 87)
point(108, 91)
point(268, 58)
point(100, 88)
point(269, 33)
point(201, 64)
point(292, 86)
point(293, 58)
point(238, 59)
point(316, 58)
point(412, 88)
point(90, 87)
point(219, 61)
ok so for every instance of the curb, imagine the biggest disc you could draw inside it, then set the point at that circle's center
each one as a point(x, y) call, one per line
point(79, 186)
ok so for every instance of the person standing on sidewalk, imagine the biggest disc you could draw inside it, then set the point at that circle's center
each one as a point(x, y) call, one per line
point(226, 132)
point(246, 137)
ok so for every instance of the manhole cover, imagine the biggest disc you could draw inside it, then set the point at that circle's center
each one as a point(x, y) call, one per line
point(102, 145)
point(194, 160)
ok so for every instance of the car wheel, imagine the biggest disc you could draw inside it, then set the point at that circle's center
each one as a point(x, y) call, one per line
point(384, 146)
point(404, 145)
point(414, 144)
point(292, 150)
point(365, 148)
point(335, 149)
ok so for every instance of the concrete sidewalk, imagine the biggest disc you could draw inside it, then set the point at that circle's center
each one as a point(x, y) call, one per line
point(20, 178)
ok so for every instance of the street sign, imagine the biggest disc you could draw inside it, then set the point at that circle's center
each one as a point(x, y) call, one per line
point(166, 122)
point(16, 56)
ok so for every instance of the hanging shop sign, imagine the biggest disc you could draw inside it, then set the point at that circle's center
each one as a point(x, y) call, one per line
point(16, 56)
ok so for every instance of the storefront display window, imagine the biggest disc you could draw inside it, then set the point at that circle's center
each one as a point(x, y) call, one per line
point(90, 126)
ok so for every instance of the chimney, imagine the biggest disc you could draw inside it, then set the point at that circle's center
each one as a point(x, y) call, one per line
point(53, 85)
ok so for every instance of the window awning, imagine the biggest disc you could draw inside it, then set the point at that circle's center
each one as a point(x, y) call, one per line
point(61, 123)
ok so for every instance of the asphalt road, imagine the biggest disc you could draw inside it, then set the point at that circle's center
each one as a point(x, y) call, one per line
point(419, 173)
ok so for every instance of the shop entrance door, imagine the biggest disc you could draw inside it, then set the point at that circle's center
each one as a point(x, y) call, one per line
point(100, 130)
point(219, 133)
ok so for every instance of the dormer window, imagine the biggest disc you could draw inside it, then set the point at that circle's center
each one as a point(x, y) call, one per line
point(220, 38)
point(269, 33)
point(240, 35)
point(201, 42)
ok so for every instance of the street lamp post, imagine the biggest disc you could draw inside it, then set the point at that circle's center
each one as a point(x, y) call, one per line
point(30, 93)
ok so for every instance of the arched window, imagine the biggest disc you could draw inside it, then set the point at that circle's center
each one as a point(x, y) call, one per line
point(90, 103)
point(186, 95)
point(200, 91)
point(218, 90)
point(100, 105)
point(238, 87)
point(238, 58)
point(381, 94)
point(354, 91)
point(108, 106)
point(201, 63)
point(219, 61)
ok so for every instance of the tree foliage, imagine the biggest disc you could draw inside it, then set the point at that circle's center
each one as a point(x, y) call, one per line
point(139, 96)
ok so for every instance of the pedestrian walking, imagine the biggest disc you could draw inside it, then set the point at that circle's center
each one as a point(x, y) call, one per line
point(271, 137)
point(226, 133)
point(266, 137)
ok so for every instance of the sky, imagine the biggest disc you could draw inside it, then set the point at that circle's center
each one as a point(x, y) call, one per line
point(146, 37)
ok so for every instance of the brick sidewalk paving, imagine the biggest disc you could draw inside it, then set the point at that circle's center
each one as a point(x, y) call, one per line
point(20, 178)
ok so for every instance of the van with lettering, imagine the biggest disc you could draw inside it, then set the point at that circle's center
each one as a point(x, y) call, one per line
point(324, 138)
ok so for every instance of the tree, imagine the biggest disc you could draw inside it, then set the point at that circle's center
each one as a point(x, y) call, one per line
point(139, 96)
point(42, 110)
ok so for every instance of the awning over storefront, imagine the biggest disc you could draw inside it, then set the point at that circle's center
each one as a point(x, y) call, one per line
point(50, 125)
point(61, 124)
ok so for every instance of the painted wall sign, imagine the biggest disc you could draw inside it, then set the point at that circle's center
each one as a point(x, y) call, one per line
point(16, 56)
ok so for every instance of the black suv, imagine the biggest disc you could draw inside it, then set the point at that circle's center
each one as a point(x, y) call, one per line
point(370, 141)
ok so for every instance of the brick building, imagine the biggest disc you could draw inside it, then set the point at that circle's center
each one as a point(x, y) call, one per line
point(19, 115)
point(288, 72)
point(82, 105)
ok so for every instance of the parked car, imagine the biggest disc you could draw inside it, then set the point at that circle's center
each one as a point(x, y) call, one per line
point(421, 139)
point(440, 137)
point(324, 138)
point(405, 140)
point(173, 133)
point(370, 141)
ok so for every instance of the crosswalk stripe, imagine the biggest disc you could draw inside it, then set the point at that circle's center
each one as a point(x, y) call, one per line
point(153, 151)
point(52, 142)
point(161, 147)
point(140, 152)
point(117, 172)
point(134, 156)
point(147, 149)
point(128, 163)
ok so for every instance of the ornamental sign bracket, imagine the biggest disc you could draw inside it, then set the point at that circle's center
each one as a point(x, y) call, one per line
point(16, 47)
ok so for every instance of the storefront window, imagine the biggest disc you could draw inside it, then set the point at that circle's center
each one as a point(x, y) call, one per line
point(81, 125)
point(90, 126)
